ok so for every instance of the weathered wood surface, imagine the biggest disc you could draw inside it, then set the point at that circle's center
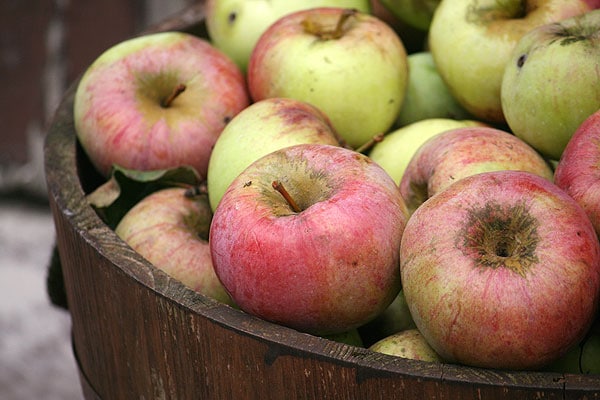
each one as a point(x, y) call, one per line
point(139, 334)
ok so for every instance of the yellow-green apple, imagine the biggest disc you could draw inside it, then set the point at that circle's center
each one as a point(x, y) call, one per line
point(577, 170)
point(427, 95)
point(234, 26)
point(351, 337)
point(416, 13)
point(397, 148)
point(157, 101)
point(395, 318)
point(583, 358)
point(308, 237)
point(261, 128)
point(349, 64)
point(551, 83)
point(457, 153)
point(501, 270)
point(409, 343)
point(170, 229)
point(472, 40)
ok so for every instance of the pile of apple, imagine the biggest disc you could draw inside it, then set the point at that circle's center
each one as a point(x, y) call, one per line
point(446, 198)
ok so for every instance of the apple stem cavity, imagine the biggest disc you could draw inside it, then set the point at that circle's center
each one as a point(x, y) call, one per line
point(277, 185)
point(502, 237)
point(177, 90)
point(370, 143)
point(323, 33)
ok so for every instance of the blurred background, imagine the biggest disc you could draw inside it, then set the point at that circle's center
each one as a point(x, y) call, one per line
point(44, 46)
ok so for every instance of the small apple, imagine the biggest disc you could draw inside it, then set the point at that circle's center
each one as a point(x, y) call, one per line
point(551, 83)
point(577, 170)
point(156, 101)
point(308, 237)
point(170, 229)
point(349, 64)
point(395, 318)
point(501, 270)
point(234, 26)
point(351, 337)
point(261, 128)
point(407, 344)
point(455, 154)
point(583, 358)
point(416, 13)
point(397, 148)
point(472, 40)
point(427, 95)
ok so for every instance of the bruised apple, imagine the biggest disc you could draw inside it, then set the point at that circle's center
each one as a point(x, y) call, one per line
point(501, 270)
point(308, 236)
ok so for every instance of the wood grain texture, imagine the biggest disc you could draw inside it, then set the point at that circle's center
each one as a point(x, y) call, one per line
point(139, 334)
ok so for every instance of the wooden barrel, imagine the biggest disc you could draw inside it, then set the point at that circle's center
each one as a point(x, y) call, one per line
point(139, 334)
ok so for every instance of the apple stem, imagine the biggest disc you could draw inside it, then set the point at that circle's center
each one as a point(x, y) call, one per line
point(370, 143)
point(322, 33)
point(277, 185)
point(177, 90)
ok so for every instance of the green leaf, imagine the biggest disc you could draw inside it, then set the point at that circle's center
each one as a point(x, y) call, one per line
point(126, 187)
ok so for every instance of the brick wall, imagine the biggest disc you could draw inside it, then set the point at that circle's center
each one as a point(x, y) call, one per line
point(44, 46)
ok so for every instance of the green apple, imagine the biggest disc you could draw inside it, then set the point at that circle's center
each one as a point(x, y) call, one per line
point(551, 84)
point(394, 319)
point(427, 95)
point(407, 344)
point(472, 41)
point(351, 337)
point(581, 359)
point(396, 149)
point(349, 64)
point(261, 128)
point(416, 13)
point(234, 26)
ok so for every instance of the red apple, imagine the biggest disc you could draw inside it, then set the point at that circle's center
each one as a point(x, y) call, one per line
point(308, 237)
point(170, 229)
point(349, 64)
point(454, 154)
point(501, 270)
point(157, 101)
point(577, 171)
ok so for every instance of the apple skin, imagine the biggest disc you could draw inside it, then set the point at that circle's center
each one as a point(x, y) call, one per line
point(397, 148)
point(118, 114)
point(416, 13)
point(455, 154)
point(427, 95)
point(170, 230)
point(234, 26)
point(261, 128)
point(407, 344)
point(487, 32)
point(577, 170)
point(359, 79)
point(501, 270)
point(551, 84)
point(329, 268)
